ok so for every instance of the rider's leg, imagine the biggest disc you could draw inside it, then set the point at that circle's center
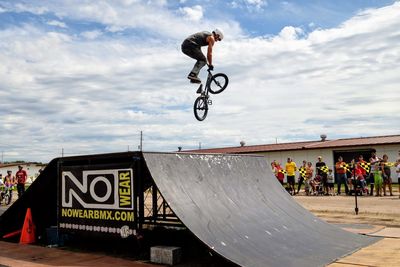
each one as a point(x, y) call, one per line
point(197, 67)
point(195, 53)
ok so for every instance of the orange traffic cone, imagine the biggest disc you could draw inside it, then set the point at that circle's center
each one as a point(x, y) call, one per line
point(28, 234)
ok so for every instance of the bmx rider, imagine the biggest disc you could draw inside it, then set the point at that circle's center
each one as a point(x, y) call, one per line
point(191, 47)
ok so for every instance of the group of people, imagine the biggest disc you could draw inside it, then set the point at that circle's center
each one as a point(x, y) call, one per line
point(355, 176)
point(316, 181)
point(18, 180)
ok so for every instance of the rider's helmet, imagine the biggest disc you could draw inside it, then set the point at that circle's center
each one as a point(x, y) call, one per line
point(219, 33)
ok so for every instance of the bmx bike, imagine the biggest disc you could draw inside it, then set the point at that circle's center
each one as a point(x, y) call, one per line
point(215, 84)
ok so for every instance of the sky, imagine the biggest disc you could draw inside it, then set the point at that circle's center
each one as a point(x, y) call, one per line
point(84, 77)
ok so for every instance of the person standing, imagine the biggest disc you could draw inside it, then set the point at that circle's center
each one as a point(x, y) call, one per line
point(9, 182)
point(398, 172)
point(362, 166)
point(378, 171)
point(341, 175)
point(21, 177)
point(387, 179)
point(302, 175)
point(372, 160)
point(331, 183)
point(309, 177)
point(279, 173)
point(290, 168)
point(319, 167)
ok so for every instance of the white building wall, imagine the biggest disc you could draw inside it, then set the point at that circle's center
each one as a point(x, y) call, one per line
point(31, 169)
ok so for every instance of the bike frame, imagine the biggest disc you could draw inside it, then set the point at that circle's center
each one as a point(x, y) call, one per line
point(203, 101)
point(207, 84)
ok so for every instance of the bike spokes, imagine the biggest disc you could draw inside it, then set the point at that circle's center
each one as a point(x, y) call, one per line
point(200, 108)
point(218, 83)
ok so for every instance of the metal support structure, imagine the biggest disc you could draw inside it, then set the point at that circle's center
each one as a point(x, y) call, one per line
point(355, 187)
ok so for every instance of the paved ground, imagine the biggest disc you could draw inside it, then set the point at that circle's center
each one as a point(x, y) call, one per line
point(378, 216)
point(341, 209)
point(29, 255)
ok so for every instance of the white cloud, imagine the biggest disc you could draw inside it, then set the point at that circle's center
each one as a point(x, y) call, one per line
point(57, 23)
point(290, 33)
point(38, 10)
point(251, 5)
point(194, 13)
point(94, 95)
point(91, 34)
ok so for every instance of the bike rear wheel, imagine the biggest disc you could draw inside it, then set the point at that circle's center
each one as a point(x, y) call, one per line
point(200, 108)
point(218, 83)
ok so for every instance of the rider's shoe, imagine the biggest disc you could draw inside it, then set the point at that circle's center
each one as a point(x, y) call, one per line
point(193, 78)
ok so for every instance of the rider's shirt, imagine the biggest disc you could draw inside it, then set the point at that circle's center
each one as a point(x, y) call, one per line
point(198, 39)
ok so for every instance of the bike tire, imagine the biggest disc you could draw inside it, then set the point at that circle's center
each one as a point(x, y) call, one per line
point(7, 199)
point(218, 83)
point(200, 108)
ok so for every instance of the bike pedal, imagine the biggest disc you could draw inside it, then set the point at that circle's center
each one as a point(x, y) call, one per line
point(209, 102)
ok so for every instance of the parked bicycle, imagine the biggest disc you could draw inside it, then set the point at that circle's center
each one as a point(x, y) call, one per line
point(5, 195)
point(215, 84)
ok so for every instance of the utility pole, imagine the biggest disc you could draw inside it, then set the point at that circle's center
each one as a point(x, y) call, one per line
point(199, 145)
point(62, 152)
point(141, 141)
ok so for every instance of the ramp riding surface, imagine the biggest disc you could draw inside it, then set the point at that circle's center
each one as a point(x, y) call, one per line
point(235, 205)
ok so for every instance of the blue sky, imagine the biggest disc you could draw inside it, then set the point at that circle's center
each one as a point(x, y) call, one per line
point(88, 76)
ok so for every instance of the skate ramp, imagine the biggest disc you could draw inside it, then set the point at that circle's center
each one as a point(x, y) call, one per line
point(235, 205)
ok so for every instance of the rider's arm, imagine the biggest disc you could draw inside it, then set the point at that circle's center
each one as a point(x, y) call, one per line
point(211, 42)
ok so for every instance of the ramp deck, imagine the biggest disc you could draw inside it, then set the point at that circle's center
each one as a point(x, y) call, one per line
point(238, 209)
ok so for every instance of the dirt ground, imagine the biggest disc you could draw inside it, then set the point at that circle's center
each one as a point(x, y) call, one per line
point(372, 210)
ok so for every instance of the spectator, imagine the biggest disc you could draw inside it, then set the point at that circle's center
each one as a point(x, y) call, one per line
point(372, 160)
point(9, 182)
point(378, 179)
point(331, 183)
point(302, 175)
point(341, 175)
point(358, 181)
point(322, 173)
point(273, 166)
point(279, 173)
point(309, 176)
point(387, 179)
point(290, 168)
point(361, 165)
point(21, 177)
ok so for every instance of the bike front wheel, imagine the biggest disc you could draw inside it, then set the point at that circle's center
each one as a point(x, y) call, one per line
point(200, 108)
point(218, 83)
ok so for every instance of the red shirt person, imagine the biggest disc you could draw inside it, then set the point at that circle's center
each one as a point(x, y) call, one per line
point(21, 177)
